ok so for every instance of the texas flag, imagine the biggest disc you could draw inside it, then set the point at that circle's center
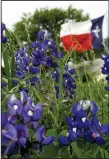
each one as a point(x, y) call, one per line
point(82, 36)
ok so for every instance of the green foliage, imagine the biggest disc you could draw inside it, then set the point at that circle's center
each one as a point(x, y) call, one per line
point(104, 153)
point(52, 132)
point(55, 111)
point(49, 151)
point(76, 150)
point(106, 42)
point(50, 19)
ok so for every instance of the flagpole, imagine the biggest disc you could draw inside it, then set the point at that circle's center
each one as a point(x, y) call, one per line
point(107, 27)
point(107, 32)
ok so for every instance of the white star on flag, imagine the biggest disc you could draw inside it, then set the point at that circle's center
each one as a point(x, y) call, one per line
point(96, 31)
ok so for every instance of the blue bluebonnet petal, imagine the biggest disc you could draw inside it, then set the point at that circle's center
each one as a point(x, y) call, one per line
point(96, 123)
point(70, 122)
point(72, 71)
point(34, 124)
point(80, 114)
point(63, 140)
point(105, 128)
point(100, 140)
point(3, 39)
point(39, 133)
point(3, 26)
point(15, 107)
point(37, 115)
point(48, 140)
point(22, 141)
point(76, 108)
point(72, 136)
point(106, 88)
point(11, 110)
point(4, 119)
point(33, 44)
point(94, 108)
point(4, 139)
point(12, 119)
point(10, 132)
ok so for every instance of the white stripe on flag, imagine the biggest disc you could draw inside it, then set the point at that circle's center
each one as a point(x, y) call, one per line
point(75, 28)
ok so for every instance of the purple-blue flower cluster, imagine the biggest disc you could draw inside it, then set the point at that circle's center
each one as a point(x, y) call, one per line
point(3, 38)
point(69, 79)
point(84, 124)
point(42, 53)
point(23, 115)
point(3, 84)
point(105, 69)
point(25, 67)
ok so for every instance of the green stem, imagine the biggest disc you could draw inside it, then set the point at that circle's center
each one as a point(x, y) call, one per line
point(60, 83)
point(60, 94)
point(84, 149)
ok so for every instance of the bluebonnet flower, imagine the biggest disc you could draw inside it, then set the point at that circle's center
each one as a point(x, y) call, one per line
point(81, 125)
point(9, 132)
point(3, 38)
point(44, 49)
point(33, 70)
point(14, 106)
point(40, 136)
point(32, 112)
point(3, 84)
point(41, 139)
point(43, 34)
point(42, 53)
point(23, 114)
point(69, 80)
point(25, 65)
point(22, 132)
point(105, 69)
point(13, 149)
point(68, 139)
point(51, 63)
point(86, 105)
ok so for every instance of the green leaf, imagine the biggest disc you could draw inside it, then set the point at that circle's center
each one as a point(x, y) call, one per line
point(37, 94)
point(49, 151)
point(63, 132)
point(13, 66)
point(6, 64)
point(76, 149)
point(52, 132)
point(67, 56)
point(60, 83)
point(104, 153)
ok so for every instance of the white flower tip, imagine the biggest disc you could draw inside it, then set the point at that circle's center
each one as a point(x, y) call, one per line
point(13, 97)
point(49, 43)
point(30, 113)
point(74, 130)
point(67, 134)
point(84, 119)
point(15, 107)
point(70, 64)
point(86, 104)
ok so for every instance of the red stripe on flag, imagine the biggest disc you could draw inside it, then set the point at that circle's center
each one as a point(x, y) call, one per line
point(79, 43)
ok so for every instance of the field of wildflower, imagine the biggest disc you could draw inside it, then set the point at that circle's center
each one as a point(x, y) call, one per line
point(47, 109)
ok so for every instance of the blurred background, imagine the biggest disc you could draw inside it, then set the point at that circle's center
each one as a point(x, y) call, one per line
point(23, 18)
point(51, 14)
